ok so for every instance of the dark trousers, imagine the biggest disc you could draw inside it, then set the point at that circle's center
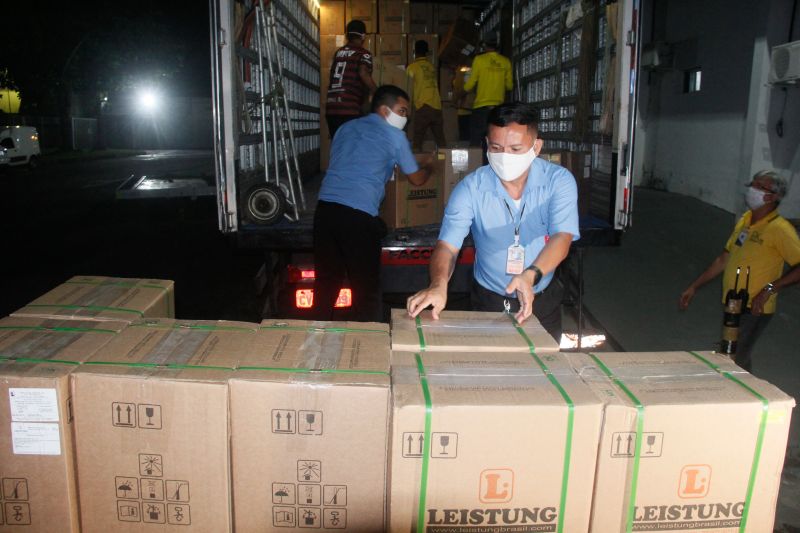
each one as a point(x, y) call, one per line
point(546, 305)
point(336, 121)
point(427, 117)
point(463, 127)
point(347, 248)
point(750, 329)
point(477, 125)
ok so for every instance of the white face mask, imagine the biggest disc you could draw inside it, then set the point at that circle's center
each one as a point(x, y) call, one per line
point(396, 120)
point(509, 167)
point(754, 198)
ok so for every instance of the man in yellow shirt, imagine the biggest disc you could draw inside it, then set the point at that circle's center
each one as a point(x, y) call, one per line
point(763, 241)
point(425, 97)
point(491, 73)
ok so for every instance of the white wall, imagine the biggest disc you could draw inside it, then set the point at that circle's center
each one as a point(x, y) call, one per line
point(708, 144)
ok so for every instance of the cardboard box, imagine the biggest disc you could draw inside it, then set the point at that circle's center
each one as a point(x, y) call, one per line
point(366, 10)
point(390, 74)
point(433, 47)
point(395, 16)
point(505, 450)
point(103, 298)
point(458, 162)
point(444, 15)
point(468, 331)
point(151, 427)
point(391, 49)
point(407, 205)
point(331, 17)
point(37, 463)
point(683, 436)
point(309, 428)
point(459, 44)
point(41, 339)
point(421, 17)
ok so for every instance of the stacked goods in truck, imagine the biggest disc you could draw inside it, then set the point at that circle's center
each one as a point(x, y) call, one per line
point(364, 10)
point(421, 17)
point(302, 403)
point(151, 426)
point(332, 17)
point(689, 441)
point(395, 16)
point(491, 442)
point(468, 331)
point(458, 162)
point(406, 205)
point(104, 298)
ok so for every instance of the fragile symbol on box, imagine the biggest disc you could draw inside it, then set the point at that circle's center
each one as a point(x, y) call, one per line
point(623, 444)
point(149, 416)
point(15, 489)
point(309, 471)
point(444, 445)
point(310, 423)
point(283, 421)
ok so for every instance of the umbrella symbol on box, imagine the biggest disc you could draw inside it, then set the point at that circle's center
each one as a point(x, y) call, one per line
point(282, 493)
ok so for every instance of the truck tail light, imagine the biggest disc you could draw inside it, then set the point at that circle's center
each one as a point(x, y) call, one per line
point(304, 298)
point(298, 274)
point(345, 298)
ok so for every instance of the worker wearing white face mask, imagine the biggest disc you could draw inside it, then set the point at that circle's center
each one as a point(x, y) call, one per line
point(763, 241)
point(347, 230)
point(523, 215)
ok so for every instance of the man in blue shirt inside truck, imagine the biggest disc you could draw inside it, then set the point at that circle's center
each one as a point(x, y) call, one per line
point(347, 230)
point(523, 215)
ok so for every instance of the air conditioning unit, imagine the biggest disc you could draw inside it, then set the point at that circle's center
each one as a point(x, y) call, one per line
point(785, 63)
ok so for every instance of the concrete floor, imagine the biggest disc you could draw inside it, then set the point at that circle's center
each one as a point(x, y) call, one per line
point(672, 240)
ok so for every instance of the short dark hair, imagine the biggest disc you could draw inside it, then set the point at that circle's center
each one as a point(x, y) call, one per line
point(421, 48)
point(515, 113)
point(387, 95)
point(356, 29)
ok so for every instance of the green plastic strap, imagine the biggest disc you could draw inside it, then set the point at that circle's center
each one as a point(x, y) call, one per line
point(562, 506)
point(418, 322)
point(43, 328)
point(156, 365)
point(324, 329)
point(639, 431)
point(426, 445)
point(35, 360)
point(189, 326)
point(314, 370)
point(762, 426)
point(126, 284)
point(90, 308)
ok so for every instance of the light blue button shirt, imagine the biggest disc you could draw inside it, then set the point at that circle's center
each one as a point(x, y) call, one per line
point(478, 204)
point(364, 153)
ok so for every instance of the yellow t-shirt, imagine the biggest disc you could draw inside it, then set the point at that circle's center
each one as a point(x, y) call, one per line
point(492, 74)
point(426, 87)
point(764, 246)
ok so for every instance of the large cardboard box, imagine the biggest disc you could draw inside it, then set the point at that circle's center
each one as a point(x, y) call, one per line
point(468, 331)
point(421, 17)
point(151, 427)
point(395, 16)
point(40, 339)
point(433, 47)
point(366, 10)
point(37, 463)
point(332, 17)
point(491, 442)
point(444, 15)
point(407, 205)
point(459, 43)
point(390, 74)
point(104, 298)
point(309, 428)
point(458, 162)
point(392, 49)
point(690, 442)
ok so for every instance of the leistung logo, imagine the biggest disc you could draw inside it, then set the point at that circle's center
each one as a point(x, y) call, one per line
point(695, 481)
point(496, 486)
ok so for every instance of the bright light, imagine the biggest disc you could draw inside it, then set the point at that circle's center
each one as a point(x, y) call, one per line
point(570, 340)
point(304, 298)
point(345, 298)
point(148, 100)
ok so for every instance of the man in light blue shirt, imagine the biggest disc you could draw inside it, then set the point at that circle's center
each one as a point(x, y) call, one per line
point(523, 215)
point(347, 230)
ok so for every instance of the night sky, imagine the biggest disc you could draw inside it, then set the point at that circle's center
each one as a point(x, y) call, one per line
point(105, 48)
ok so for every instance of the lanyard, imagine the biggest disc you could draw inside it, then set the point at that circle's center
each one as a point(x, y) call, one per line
point(517, 226)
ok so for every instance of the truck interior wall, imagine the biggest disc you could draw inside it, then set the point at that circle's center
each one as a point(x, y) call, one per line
point(707, 144)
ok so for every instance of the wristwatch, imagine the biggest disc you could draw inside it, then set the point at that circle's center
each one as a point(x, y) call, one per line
point(537, 274)
point(770, 288)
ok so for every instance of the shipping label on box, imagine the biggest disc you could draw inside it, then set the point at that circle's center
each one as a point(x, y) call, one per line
point(395, 16)
point(364, 10)
point(331, 17)
point(458, 162)
point(689, 441)
point(312, 393)
point(34, 338)
point(38, 488)
point(468, 331)
point(103, 298)
point(463, 457)
point(406, 205)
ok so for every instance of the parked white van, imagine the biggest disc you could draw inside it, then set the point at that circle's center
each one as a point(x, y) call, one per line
point(19, 146)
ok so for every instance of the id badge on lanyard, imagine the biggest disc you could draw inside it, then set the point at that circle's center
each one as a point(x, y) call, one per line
point(515, 256)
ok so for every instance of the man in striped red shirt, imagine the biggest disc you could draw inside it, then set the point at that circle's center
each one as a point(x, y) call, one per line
point(350, 78)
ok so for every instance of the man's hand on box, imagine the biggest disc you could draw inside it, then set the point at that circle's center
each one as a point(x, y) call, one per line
point(435, 297)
